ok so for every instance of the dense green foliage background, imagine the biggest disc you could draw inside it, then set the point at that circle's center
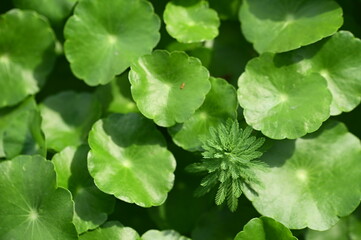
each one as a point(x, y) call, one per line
point(104, 103)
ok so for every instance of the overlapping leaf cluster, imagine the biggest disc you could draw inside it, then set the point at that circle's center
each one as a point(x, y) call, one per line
point(103, 104)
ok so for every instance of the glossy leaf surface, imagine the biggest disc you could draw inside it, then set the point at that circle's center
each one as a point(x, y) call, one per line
point(129, 159)
point(348, 228)
point(21, 70)
point(191, 20)
point(280, 101)
point(91, 206)
point(31, 207)
point(111, 230)
point(104, 37)
point(312, 181)
point(168, 87)
point(280, 26)
point(264, 228)
point(67, 118)
point(20, 130)
point(220, 104)
point(337, 60)
point(55, 11)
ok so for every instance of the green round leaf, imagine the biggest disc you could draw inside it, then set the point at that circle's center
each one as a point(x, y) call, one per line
point(20, 130)
point(337, 60)
point(348, 228)
point(104, 37)
point(333, 58)
point(30, 205)
point(264, 228)
point(163, 235)
point(55, 11)
point(113, 231)
point(280, 26)
point(219, 105)
point(68, 117)
point(280, 101)
point(91, 205)
point(116, 96)
point(129, 159)
point(27, 54)
point(168, 87)
point(191, 20)
point(311, 181)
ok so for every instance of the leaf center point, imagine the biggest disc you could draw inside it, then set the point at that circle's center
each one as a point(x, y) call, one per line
point(289, 17)
point(33, 215)
point(127, 164)
point(325, 73)
point(4, 59)
point(203, 115)
point(283, 97)
point(112, 39)
point(302, 175)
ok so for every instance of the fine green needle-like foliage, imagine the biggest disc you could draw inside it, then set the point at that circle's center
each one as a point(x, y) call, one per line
point(229, 159)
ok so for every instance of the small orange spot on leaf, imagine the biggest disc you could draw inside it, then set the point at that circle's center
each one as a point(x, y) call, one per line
point(182, 85)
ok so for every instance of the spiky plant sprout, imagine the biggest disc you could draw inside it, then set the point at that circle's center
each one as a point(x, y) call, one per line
point(229, 161)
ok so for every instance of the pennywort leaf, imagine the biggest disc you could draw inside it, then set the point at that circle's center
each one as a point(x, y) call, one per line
point(21, 70)
point(129, 159)
point(219, 105)
point(312, 181)
point(280, 26)
point(168, 87)
point(20, 130)
point(336, 59)
point(348, 228)
point(68, 117)
point(55, 11)
point(280, 101)
point(191, 20)
point(104, 37)
point(111, 230)
point(31, 207)
point(91, 206)
point(264, 228)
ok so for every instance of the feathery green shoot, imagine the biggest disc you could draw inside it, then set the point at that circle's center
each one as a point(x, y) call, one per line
point(229, 159)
